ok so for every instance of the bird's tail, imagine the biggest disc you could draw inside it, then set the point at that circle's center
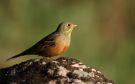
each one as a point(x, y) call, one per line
point(18, 55)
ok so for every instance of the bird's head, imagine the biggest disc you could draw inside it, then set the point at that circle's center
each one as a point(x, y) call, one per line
point(66, 28)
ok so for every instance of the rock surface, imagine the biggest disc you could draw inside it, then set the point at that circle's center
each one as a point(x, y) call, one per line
point(45, 71)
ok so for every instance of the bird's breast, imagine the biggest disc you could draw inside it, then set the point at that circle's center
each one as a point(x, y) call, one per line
point(61, 45)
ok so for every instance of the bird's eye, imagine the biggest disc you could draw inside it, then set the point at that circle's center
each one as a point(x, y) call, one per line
point(69, 25)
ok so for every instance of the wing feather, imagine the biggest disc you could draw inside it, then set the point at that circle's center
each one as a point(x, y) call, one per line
point(39, 46)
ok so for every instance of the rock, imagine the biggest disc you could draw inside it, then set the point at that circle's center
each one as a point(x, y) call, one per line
point(45, 71)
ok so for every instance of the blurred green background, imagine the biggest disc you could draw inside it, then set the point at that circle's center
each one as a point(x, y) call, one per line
point(105, 37)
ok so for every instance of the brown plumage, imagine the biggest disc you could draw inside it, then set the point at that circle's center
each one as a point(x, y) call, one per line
point(52, 45)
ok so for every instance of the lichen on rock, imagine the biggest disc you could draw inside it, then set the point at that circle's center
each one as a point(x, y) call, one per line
point(60, 71)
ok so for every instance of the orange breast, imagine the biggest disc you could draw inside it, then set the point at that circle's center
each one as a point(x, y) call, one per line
point(60, 47)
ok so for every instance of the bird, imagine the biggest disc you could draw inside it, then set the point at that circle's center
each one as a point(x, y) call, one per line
point(53, 44)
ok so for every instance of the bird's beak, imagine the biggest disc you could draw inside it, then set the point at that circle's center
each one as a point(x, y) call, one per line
point(75, 25)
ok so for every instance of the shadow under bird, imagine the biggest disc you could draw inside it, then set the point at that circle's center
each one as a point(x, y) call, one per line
point(52, 45)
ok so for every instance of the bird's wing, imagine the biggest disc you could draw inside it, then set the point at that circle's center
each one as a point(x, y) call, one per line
point(42, 44)
point(35, 49)
point(39, 46)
